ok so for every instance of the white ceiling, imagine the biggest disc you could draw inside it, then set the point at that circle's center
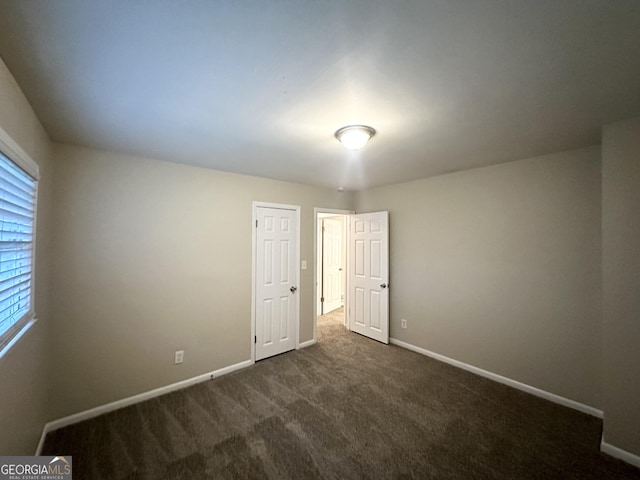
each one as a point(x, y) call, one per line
point(259, 87)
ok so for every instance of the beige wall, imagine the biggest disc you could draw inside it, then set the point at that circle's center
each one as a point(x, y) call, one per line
point(621, 283)
point(151, 257)
point(23, 370)
point(499, 267)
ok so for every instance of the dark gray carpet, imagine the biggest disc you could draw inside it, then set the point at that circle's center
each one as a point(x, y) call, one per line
point(348, 407)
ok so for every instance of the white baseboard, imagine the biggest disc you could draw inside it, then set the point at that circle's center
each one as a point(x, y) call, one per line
point(41, 442)
point(581, 407)
point(141, 397)
point(618, 453)
point(308, 343)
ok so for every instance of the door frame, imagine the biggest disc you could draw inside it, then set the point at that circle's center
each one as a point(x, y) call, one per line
point(320, 241)
point(254, 244)
point(335, 211)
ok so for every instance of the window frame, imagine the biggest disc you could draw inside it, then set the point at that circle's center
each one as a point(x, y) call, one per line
point(12, 151)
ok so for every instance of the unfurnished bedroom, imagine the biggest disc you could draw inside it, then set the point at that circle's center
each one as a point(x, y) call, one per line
point(338, 239)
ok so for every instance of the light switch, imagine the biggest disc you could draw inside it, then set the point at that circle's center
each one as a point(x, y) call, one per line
point(304, 264)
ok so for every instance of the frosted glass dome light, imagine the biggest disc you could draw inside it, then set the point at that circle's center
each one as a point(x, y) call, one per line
point(354, 137)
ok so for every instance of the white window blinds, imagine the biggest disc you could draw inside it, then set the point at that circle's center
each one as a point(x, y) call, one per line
point(17, 229)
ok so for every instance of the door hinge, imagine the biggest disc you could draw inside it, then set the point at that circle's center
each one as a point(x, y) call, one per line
point(256, 223)
point(255, 339)
point(322, 299)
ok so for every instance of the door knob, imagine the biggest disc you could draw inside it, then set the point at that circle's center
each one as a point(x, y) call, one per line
point(383, 285)
point(293, 289)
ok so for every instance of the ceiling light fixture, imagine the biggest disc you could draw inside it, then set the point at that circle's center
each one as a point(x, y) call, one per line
point(354, 137)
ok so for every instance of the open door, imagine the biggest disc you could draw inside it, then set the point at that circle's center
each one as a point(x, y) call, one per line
point(369, 275)
point(331, 264)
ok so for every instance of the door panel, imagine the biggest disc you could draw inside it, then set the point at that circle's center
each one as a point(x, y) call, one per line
point(285, 255)
point(276, 263)
point(375, 311)
point(359, 258)
point(369, 275)
point(268, 262)
point(358, 306)
point(285, 307)
point(376, 268)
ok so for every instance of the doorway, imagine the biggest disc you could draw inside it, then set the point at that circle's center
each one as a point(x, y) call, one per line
point(365, 272)
point(330, 262)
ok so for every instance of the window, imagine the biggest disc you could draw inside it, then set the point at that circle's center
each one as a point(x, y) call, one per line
point(17, 241)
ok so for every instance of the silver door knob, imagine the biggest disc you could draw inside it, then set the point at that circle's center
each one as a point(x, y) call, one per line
point(383, 285)
point(293, 289)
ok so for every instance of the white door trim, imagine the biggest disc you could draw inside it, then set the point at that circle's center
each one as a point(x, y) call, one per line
point(254, 218)
point(316, 211)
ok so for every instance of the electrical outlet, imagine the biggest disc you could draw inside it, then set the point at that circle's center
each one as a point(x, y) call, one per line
point(403, 323)
point(179, 356)
point(304, 264)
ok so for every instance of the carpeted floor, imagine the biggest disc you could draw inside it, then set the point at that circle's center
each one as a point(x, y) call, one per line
point(348, 407)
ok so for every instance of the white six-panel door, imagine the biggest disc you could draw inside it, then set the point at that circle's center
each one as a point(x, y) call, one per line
point(332, 265)
point(369, 275)
point(276, 276)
